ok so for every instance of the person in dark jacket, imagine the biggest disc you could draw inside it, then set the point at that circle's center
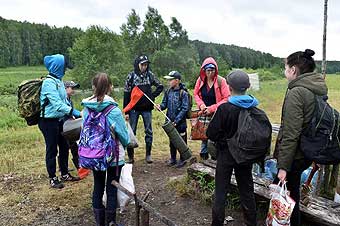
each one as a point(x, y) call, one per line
point(297, 111)
point(223, 126)
point(176, 100)
point(70, 86)
point(144, 79)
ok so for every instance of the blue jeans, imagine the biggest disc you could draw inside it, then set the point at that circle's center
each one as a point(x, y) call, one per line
point(204, 147)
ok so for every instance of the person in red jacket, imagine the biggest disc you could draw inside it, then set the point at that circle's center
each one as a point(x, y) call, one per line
point(211, 90)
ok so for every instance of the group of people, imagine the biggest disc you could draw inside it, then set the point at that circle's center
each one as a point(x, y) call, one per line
point(215, 96)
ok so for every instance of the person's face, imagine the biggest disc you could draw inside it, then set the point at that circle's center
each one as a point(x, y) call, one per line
point(210, 72)
point(173, 83)
point(69, 91)
point(143, 67)
point(290, 72)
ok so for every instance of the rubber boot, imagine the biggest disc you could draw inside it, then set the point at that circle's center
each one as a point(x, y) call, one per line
point(148, 158)
point(99, 215)
point(131, 154)
point(110, 217)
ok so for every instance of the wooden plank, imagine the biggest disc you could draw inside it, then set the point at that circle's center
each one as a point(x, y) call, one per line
point(319, 211)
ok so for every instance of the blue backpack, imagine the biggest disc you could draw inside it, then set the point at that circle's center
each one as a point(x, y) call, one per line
point(97, 147)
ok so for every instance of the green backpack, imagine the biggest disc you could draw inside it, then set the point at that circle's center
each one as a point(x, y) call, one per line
point(29, 100)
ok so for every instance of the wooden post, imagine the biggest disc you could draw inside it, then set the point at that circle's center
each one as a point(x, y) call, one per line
point(323, 67)
point(145, 216)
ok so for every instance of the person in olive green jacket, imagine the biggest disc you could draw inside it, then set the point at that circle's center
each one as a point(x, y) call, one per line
point(297, 111)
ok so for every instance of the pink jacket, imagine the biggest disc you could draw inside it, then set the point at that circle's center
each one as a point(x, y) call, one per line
point(222, 93)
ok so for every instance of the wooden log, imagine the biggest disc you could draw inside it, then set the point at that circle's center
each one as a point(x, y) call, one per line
point(144, 218)
point(319, 211)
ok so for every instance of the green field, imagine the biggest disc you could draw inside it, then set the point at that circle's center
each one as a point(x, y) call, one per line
point(22, 148)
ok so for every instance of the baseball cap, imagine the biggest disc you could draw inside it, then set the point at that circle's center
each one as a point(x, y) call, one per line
point(143, 59)
point(173, 75)
point(239, 80)
point(71, 84)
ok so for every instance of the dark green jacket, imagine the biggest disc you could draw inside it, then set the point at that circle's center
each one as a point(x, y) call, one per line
point(297, 111)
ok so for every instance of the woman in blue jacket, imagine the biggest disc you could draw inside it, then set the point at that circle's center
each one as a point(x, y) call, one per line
point(54, 108)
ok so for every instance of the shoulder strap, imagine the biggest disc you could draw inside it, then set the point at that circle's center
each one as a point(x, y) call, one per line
point(219, 81)
point(108, 109)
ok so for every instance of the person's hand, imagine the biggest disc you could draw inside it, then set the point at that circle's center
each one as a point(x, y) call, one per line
point(203, 107)
point(157, 107)
point(127, 117)
point(282, 175)
point(81, 114)
point(207, 111)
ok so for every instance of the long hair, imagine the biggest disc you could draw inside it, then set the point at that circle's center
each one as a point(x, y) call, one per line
point(102, 85)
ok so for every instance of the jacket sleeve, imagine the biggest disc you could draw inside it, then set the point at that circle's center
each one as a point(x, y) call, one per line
point(164, 103)
point(215, 130)
point(197, 93)
point(49, 89)
point(117, 121)
point(127, 91)
point(184, 108)
point(159, 87)
point(293, 117)
point(225, 93)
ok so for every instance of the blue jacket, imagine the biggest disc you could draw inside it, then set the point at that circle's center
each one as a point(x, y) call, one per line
point(53, 91)
point(115, 118)
point(177, 103)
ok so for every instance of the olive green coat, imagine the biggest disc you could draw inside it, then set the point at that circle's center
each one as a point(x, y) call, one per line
point(297, 111)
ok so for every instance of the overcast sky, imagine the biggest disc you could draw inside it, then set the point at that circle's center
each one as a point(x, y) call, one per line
point(279, 27)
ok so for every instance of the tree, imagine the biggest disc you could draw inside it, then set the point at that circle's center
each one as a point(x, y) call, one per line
point(155, 35)
point(131, 33)
point(99, 50)
point(178, 36)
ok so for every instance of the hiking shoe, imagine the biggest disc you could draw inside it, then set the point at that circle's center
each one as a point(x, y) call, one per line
point(56, 183)
point(69, 177)
point(181, 163)
point(171, 162)
point(148, 159)
point(130, 161)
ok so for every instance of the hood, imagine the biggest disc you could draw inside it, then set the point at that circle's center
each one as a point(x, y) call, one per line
point(208, 60)
point(244, 101)
point(312, 81)
point(136, 67)
point(55, 64)
point(98, 106)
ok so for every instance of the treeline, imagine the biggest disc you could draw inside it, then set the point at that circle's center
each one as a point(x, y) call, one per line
point(332, 67)
point(23, 43)
point(100, 49)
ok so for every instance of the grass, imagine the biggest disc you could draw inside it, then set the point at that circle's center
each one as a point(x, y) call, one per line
point(23, 151)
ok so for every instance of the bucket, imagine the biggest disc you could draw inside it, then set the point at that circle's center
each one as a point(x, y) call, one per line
point(177, 140)
point(71, 129)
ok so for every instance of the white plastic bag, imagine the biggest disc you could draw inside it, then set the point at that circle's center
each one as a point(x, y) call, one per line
point(126, 181)
point(133, 139)
point(281, 206)
point(337, 197)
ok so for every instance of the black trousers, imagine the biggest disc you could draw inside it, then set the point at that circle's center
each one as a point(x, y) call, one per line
point(51, 130)
point(224, 169)
point(293, 185)
point(173, 150)
point(74, 151)
point(99, 186)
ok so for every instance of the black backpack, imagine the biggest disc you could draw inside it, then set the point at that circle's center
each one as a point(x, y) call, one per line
point(251, 142)
point(320, 140)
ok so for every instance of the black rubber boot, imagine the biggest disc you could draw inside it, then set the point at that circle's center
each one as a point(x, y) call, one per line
point(110, 217)
point(131, 154)
point(148, 158)
point(99, 215)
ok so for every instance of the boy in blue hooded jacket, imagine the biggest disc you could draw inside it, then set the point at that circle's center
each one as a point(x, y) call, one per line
point(223, 126)
point(54, 107)
point(176, 100)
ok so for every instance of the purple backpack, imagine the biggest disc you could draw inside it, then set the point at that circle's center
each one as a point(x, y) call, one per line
point(97, 148)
